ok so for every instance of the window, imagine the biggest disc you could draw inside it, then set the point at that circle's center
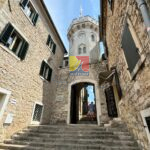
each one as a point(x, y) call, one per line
point(37, 113)
point(111, 4)
point(14, 41)
point(45, 71)
point(4, 98)
point(51, 44)
point(83, 25)
point(131, 52)
point(30, 11)
point(82, 49)
point(92, 37)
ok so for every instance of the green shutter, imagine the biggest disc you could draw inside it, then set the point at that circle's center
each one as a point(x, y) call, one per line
point(23, 50)
point(23, 3)
point(54, 49)
point(48, 40)
point(35, 18)
point(42, 68)
point(49, 74)
point(130, 49)
point(6, 33)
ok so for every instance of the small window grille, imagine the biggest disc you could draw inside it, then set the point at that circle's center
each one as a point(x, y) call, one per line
point(37, 112)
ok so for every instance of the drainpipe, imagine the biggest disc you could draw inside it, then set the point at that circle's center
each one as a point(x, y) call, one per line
point(145, 13)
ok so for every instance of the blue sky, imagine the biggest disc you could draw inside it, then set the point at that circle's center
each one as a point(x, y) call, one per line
point(91, 93)
point(64, 11)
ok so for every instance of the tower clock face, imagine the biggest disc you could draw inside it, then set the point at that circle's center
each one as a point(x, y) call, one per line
point(81, 35)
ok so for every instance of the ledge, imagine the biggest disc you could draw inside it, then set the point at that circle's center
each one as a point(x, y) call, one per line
point(10, 52)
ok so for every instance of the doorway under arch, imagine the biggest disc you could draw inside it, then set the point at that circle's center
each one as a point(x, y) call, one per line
point(79, 101)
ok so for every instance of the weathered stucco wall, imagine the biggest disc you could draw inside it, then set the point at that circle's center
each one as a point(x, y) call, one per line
point(22, 77)
point(136, 95)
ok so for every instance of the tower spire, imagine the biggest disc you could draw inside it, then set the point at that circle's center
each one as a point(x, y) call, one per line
point(81, 11)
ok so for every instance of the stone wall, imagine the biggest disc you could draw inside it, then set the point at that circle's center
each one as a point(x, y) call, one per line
point(64, 82)
point(136, 95)
point(22, 77)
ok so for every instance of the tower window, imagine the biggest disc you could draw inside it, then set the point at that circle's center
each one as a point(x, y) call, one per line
point(84, 49)
point(80, 50)
point(92, 37)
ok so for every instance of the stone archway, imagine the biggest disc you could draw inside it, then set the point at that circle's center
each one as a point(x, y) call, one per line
point(97, 96)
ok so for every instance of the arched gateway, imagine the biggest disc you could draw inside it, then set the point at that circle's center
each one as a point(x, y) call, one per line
point(78, 101)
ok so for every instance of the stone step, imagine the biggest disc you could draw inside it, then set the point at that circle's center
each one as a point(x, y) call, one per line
point(22, 141)
point(64, 146)
point(67, 135)
point(76, 129)
point(72, 137)
point(72, 126)
point(85, 132)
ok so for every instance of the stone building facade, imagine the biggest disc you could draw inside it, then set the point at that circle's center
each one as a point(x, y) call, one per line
point(123, 30)
point(31, 52)
point(83, 40)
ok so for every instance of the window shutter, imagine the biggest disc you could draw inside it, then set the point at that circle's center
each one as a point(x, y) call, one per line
point(130, 49)
point(48, 40)
point(49, 74)
point(54, 49)
point(23, 50)
point(6, 33)
point(42, 68)
point(23, 3)
point(35, 18)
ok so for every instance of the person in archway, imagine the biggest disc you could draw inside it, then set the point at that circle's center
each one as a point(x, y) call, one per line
point(91, 111)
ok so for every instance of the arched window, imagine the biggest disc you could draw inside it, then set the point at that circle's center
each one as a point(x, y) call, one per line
point(92, 37)
point(79, 50)
point(84, 49)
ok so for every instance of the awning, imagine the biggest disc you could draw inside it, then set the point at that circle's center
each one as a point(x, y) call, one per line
point(106, 76)
point(111, 77)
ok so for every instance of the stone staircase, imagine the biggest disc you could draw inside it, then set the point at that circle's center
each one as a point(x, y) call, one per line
point(71, 137)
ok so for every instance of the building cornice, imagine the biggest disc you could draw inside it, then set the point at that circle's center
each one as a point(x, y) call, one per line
point(78, 24)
